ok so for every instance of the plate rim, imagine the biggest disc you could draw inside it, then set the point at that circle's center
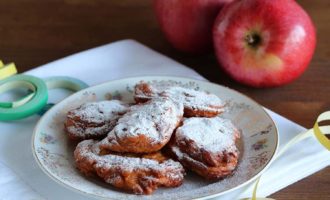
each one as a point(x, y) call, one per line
point(170, 77)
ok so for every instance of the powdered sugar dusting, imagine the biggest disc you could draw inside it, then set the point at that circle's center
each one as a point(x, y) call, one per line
point(212, 134)
point(82, 132)
point(98, 112)
point(94, 118)
point(189, 97)
point(156, 119)
point(195, 99)
point(88, 149)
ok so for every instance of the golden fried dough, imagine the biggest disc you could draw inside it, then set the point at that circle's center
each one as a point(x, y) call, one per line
point(145, 127)
point(206, 146)
point(196, 103)
point(93, 120)
point(138, 174)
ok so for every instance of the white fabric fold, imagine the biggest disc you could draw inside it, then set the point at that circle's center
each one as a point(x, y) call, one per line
point(21, 178)
point(12, 187)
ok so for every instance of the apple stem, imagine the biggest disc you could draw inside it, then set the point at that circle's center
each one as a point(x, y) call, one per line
point(253, 40)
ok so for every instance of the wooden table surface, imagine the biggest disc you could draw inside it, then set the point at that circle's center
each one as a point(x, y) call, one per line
point(35, 32)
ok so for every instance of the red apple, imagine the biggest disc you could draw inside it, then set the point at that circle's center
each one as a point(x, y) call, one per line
point(187, 24)
point(264, 43)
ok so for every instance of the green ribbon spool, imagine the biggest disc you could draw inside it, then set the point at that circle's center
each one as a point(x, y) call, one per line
point(28, 105)
point(65, 82)
point(36, 101)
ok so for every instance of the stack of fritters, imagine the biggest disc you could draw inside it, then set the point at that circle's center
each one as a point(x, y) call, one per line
point(135, 139)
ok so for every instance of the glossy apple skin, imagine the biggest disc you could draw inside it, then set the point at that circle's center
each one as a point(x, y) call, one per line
point(187, 24)
point(287, 41)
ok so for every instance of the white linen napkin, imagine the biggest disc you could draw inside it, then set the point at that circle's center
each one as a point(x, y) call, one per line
point(21, 178)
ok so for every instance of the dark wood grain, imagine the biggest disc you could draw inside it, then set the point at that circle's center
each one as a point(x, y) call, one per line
point(34, 32)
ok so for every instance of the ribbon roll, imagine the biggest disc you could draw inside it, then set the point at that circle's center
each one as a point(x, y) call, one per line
point(36, 101)
point(27, 106)
point(64, 82)
point(319, 131)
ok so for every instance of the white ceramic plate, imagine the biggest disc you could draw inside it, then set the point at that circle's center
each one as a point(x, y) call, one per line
point(54, 153)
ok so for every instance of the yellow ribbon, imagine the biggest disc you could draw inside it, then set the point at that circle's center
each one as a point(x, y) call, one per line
point(7, 70)
point(254, 195)
point(319, 133)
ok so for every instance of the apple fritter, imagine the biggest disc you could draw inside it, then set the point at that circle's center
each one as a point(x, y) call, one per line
point(140, 174)
point(93, 120)
point(145, 128)
point(196, 103)
point(206, 146)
